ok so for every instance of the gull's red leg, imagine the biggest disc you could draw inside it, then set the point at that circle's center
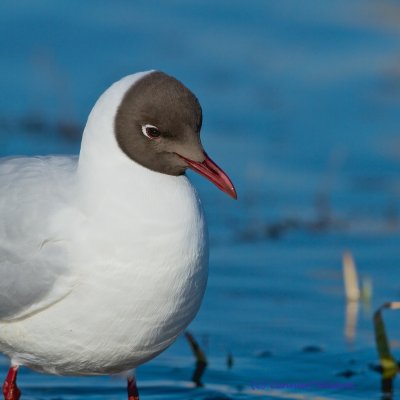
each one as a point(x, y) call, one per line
point(10, 389)
point(133, 393)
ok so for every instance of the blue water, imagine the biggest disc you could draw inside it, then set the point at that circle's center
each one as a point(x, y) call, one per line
point(301, 106)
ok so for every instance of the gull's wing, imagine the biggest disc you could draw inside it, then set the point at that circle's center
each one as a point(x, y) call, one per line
point(29, 285)
point(34, 272)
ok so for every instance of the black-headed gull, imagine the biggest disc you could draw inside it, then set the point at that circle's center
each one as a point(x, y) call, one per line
point(103, 258)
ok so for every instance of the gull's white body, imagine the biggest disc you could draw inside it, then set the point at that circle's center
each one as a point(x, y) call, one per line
point(103, 263)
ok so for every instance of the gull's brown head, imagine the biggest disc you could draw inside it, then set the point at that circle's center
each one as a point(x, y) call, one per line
point(158, 125)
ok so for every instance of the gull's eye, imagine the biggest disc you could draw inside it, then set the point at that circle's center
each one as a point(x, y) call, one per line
point(151, 131)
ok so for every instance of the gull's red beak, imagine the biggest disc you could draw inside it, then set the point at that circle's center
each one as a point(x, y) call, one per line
point(212, 172)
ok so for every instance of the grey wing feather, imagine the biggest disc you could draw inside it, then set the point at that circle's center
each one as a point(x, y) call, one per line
point(33, 268)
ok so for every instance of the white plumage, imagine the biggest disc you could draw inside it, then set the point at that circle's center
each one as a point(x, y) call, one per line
point(103, 262)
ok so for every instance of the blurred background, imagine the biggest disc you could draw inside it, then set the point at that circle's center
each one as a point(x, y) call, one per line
point(301, 106)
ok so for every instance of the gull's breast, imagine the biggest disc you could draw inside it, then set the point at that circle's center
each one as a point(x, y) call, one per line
point(138, 287)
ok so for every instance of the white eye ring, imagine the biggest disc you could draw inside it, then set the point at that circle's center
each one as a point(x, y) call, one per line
point(151, 131)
